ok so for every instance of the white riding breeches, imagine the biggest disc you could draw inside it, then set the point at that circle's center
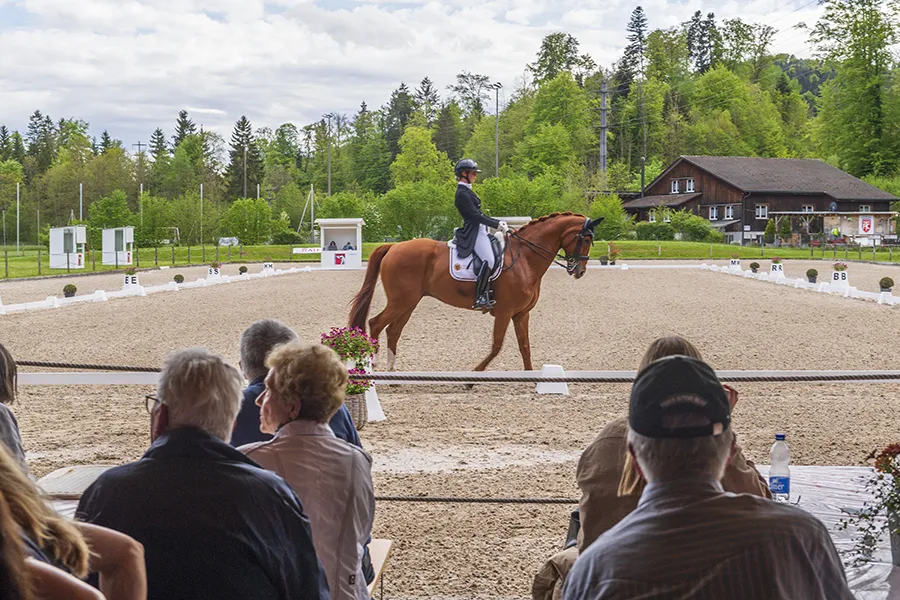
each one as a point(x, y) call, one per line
point(483, 248)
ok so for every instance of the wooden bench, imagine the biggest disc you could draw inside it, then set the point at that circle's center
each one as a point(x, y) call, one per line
point(379, 551)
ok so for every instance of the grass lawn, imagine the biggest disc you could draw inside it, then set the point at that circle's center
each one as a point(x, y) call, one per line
point(26, 263)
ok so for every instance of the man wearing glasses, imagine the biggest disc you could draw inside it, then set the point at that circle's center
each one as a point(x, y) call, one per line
point(214, 525)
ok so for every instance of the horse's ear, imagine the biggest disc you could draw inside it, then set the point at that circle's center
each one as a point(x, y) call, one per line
point(594, 223)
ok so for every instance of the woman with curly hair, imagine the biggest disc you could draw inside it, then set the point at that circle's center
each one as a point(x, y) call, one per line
point(9, 428)
point(68, 546)
point(305, 386)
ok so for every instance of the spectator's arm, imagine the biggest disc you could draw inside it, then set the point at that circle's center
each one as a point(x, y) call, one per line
point(51, 583)
point(741, 477)
point(119, 560)
point(598, 474)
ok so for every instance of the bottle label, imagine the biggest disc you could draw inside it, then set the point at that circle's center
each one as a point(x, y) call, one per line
point(780, 485)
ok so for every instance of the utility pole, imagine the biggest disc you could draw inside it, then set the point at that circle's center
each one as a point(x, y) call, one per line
point(17, 222)
point(141, 202)
point(201, 214)
point(245, 169)
point(603, 109)
point(140, 154)
point(643, 120)
point(80, 201)
point(328, 136)
point(497, 87)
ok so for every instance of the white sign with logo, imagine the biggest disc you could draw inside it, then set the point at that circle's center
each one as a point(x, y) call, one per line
point(777, 270)
point(307, 250)
point(839, 279)
point(866, 225)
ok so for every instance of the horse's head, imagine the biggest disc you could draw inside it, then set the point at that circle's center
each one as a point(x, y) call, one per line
point(576, 242)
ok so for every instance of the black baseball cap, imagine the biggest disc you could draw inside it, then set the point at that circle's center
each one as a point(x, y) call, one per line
point(678, 385)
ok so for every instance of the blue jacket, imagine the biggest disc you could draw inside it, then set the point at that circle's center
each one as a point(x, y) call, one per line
point(246, 426)
point(214, 524)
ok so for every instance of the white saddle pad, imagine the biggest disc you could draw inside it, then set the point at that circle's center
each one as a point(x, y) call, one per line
point(462, 269)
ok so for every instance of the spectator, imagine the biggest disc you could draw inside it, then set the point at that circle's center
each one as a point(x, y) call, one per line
point(9, 428)
point(76, 548)
point(214, 525)
point(611, 484)
point(332, 246)
point(13, 578)
point(347, 246)
point(256, 343)
point(688, 538)
point(304, 388)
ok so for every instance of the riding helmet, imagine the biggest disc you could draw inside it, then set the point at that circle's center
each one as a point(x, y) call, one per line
point(466, 164)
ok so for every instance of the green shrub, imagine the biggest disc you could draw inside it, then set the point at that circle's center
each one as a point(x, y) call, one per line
point(179, 278)
point(285, 238)
point(886, 283)
point(69, 289)
point(654, 231)
point(769, 235)
point(812, 273)
point(754, 265)
point(242, 269)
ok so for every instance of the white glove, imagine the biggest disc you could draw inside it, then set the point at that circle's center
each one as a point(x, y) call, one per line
point(503, 227)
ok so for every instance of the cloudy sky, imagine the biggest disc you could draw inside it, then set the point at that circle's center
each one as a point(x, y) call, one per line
point(129, 65)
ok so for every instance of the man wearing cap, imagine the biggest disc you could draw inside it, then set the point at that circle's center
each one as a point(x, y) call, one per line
point(688, 538)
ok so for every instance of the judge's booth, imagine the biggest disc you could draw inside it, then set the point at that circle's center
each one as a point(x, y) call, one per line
point(67, 247)
point(118, 246)
point(341, 243)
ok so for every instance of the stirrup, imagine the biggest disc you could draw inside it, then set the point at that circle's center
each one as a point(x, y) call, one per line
point(484, 303)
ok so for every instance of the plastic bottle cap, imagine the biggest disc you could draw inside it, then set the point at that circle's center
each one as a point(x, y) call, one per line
point(779, 437)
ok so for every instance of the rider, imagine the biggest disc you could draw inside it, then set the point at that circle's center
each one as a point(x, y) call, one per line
point(473, 236)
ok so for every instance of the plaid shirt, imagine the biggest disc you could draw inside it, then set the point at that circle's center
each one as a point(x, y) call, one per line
point(689, 539)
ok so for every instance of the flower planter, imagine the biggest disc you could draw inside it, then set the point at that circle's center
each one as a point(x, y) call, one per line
point(604, 262)
point(754, 270)
point(356, 404)
point(811, 279)
point(893, 526)
point(68, 294)
point(612, 262)
point(888, 290)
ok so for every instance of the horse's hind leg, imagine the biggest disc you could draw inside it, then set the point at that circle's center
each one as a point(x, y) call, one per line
point(393, 334)
point(387, 318)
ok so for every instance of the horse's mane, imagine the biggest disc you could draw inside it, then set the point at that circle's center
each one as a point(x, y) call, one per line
point(548, 218)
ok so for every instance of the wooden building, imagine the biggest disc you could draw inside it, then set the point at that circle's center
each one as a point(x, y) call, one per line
point(739, 195)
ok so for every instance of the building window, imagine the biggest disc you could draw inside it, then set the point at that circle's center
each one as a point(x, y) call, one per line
point(865, 208)
point(762, 211)
point(689, 184)
point(652, 216)
point(808, 208)
point(729, 212)
point(713, 213)
point(667, 218)
point(674, 186)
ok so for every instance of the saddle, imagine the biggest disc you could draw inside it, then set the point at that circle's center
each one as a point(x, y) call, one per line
point(466, 269)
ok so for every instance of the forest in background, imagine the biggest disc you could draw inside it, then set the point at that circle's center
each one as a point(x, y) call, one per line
point(707, 87)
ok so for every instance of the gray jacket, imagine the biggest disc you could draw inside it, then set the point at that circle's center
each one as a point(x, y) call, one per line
point(9, 435)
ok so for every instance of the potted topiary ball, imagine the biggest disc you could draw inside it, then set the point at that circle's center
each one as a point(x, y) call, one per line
point(754, 266)
point(604, 259)
point(811, 275)
point(179, 278)
point(886, 284)
point(242, 269)
point(69, 290)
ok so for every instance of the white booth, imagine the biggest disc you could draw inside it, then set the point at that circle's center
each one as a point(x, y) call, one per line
point(118, 246)
point(67, 247)
point(341, 243)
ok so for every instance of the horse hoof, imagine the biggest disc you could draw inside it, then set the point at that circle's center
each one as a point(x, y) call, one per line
point(469, 386)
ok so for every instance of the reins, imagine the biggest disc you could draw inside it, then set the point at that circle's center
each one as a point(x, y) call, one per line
point(555, 257)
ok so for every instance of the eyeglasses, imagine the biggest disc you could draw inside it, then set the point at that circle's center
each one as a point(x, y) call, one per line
point(150, 402)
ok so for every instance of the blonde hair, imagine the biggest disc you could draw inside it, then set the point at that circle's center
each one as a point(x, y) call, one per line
point(201, 389)
point(312, 376)
point(631, 483)
point(13, 580)
point(8, 376)
point(55, 535)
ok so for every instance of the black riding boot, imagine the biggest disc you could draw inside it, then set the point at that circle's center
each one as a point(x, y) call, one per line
point(482, 298)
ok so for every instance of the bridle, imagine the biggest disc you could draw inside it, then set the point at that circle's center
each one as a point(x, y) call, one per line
point(586, 235)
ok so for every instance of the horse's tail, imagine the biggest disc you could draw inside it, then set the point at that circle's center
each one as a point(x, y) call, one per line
point(359, 310)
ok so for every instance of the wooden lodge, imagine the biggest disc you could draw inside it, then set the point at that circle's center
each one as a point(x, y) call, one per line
point(739, 195)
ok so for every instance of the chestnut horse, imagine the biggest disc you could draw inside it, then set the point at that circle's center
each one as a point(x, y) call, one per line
point(417, 268)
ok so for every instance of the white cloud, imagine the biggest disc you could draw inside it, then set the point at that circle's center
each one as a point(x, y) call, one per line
point(130, 65)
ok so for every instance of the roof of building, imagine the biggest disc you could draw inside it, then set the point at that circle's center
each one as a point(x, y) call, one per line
point(787, 176)
point(662, 200)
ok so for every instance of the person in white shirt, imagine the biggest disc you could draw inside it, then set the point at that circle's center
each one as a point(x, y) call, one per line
point(305, 386)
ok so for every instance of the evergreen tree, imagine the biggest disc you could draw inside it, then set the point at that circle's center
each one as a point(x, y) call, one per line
point(449, 131)
point(184, 127)
point(17, 147)
point(558, 53)
point(107, 143)
point(41, 144)
point(159, 149)
point(785, 228)
point(427, 100)
point(636, 50)
point(244, 154)
point(396, 114)
point(769, 233)
point(369, 153)
point(5, 146)
point(704, 41)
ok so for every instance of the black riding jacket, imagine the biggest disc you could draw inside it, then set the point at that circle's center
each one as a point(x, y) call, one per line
point(469, 206)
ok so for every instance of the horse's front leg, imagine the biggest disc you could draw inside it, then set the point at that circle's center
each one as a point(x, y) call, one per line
point(520, 322)
point(501, 323)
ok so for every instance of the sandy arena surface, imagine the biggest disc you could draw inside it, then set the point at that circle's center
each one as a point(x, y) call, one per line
point(491, 441)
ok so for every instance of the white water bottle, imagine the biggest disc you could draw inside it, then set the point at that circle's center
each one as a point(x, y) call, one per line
point(780, 470)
